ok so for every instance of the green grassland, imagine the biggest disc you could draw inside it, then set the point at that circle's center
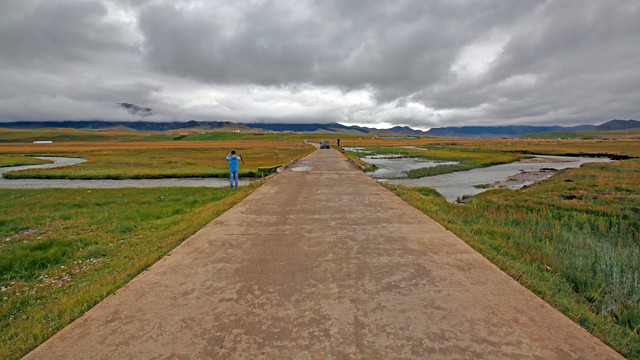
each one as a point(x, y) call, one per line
point(151, 154)
point(560, 135)
point(586, 135)
point(64, 250)
point(16, 160)
point(314, 136)
point(64, 134)
point(214, 136)
point(468, 158)
point(573, 239)
point(129, 135)
point(150, 163)
point(628, 148)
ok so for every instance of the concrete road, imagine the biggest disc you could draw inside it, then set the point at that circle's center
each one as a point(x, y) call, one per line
point(322, 262)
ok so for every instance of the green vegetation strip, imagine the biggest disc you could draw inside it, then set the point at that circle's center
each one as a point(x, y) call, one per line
point(468, 158)
point(58, 135)
point(63, 251)
point(483, 186)
point(17, 160)
point(438, 170)
point(65, 134)
point(165, 163)
point(585, 135)
point(573, 239)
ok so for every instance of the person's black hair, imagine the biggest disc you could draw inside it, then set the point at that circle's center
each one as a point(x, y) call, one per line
point(233, 152)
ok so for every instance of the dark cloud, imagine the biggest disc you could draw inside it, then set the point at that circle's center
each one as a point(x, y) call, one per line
point(409, 62)
point(136, 110)
point(259, 47)
point(45, 33)
point(394, 48)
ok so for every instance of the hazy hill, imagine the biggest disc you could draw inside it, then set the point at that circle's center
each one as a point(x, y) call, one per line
point(282, 127)
point(618, 125)
point(498, 131)
point(464, 131)
point(405, 130)
point(610, 127)
point(335, 127)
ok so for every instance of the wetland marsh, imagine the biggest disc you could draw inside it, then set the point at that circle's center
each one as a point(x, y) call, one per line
point(571, 238)
point(101, 183)
point(462, 177)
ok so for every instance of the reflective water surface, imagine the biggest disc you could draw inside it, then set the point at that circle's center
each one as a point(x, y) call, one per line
point(394, 168)
point(101, 184)
point(461, 183)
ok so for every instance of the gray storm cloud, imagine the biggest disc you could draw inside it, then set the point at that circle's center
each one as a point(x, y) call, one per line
point(418, 63)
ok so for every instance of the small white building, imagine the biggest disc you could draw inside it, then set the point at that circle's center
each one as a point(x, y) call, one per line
point(43, 142)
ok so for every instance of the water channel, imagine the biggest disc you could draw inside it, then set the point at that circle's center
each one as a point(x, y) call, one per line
point(102, 183)
point(390, 169)
point(454, 185)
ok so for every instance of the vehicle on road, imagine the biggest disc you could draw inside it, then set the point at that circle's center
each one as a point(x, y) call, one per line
point(324, 144)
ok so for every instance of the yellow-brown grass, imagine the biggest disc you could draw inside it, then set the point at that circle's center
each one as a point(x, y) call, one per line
point(100, 145)
point(619, 147)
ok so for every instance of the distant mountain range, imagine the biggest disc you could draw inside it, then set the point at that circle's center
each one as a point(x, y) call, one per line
point(282, 127)
point(334, 127)
point(493, 131)
point(163, 126)
point(514, 131)
point(464, 131)
point(136, 125)
point(618, 125)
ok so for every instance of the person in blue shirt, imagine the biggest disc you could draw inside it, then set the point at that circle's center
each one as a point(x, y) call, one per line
point(232, 158)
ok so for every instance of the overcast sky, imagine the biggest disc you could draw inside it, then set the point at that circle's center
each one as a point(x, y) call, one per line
point(421, 63)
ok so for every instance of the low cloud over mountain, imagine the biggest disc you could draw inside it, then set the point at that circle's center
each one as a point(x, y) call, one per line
point(136, 110)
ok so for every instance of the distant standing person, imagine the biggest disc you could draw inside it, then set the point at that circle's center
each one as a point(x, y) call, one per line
point(338, 142)
point(232, 158)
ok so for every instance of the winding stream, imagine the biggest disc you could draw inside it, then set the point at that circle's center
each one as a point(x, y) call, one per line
point(101, 184)
point(451, 186)
point(514, 175)
point(394, 168)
